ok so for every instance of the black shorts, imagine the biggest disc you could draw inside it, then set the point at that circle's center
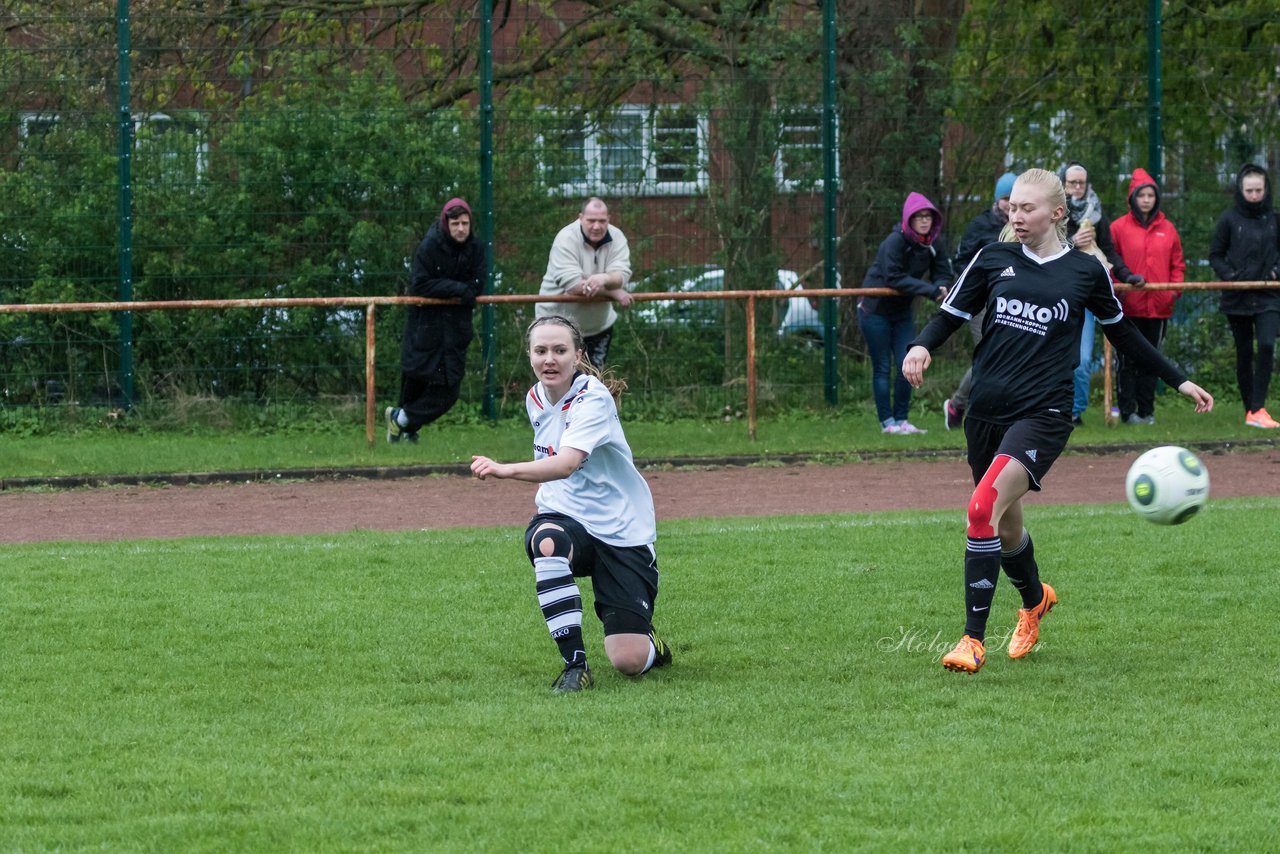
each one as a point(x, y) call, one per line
point(624, 579)
point(1034, 442)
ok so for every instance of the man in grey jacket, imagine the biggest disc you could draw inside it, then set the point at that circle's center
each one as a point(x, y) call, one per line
point(591, 258)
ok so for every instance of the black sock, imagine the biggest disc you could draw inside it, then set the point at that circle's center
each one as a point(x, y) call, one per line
point(981, 572)
point(572, 649)
point(1024, 574)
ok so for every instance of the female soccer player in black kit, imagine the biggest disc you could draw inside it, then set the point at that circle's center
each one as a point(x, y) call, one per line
point(1035, 293)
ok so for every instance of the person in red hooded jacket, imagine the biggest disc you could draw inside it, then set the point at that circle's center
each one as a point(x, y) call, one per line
point(1152, 249)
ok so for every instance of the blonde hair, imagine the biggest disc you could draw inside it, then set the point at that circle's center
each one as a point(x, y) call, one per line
point(1055, 194)
point(615, 384)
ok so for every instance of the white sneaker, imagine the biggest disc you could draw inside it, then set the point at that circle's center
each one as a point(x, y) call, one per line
point(892, 428)
point(393, 426)
point(908, 427)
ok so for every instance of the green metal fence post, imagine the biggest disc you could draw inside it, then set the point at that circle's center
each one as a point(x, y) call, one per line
point(125, 172)
point(830, 379)
point(1155, 90)
point(486, 203)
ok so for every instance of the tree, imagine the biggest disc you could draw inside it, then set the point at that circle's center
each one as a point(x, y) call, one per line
point(893, 64)
point(1040, 88)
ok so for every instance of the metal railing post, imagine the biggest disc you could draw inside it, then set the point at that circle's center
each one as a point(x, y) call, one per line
point(1155, 90)
point(1106, 382)
point(830, 364)
point(125, 177)
point(487, 314)
point(370, 373)
point(751, 367)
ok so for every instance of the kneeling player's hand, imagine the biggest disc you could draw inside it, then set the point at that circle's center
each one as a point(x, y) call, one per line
point(483, 467)
point(1204, 400)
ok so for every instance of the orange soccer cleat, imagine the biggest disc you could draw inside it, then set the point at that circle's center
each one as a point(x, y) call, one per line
point(967, 657)
point(1028, 630)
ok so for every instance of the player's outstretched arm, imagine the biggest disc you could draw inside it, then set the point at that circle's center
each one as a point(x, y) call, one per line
point(914, 365)
point(1202, 398)
point(1131, 343)
point(558, 467)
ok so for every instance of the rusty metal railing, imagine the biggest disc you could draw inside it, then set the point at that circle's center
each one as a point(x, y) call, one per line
point(370, 304)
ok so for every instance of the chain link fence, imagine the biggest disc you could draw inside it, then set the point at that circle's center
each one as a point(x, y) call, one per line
point(223, 150)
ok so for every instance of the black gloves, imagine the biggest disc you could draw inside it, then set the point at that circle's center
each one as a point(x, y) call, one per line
point(1135, 280)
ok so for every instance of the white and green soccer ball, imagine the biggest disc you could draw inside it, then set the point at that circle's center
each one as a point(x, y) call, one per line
point(1167, 485)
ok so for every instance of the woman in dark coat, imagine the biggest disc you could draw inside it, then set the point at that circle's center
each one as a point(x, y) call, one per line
point(1246, 248)
point(448, 264)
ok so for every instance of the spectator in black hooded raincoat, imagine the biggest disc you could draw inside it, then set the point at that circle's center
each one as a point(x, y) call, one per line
point(448, 264)
point(1246, 248)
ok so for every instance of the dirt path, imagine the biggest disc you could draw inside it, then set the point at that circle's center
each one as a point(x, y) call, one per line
point(144, 512)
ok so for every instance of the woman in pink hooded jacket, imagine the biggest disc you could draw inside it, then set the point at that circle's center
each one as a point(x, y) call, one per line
point(913, 260)
point(1152, 249)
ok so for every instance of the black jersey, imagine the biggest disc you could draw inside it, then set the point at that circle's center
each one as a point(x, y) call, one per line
point(1031, 332)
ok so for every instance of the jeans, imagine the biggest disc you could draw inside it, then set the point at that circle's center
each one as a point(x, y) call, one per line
point(887, 338)
point(1084, 370)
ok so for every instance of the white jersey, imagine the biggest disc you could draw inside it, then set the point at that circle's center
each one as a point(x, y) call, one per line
point(607, 495)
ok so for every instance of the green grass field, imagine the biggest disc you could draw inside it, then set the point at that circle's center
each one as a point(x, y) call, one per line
point(390, 692)
point(838, 434)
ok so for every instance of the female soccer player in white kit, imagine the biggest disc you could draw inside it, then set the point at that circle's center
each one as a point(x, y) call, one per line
point(1035, 293)
point(595, 512)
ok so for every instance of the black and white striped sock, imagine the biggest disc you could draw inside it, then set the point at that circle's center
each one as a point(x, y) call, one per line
point(561, 604)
